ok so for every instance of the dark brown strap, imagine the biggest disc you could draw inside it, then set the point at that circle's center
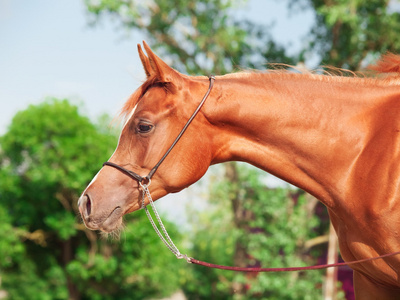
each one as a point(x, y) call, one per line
point(126, 171)
point(291, 269)
point(211, 78)
point(146, 180)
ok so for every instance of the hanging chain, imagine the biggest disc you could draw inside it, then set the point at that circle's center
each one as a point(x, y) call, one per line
point(171, 246)
point(167, 239)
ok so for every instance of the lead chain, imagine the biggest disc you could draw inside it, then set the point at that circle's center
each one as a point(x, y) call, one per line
point(167, 240)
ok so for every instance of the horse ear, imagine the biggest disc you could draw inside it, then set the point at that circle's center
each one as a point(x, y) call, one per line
point(160, 69)
point(145, 61)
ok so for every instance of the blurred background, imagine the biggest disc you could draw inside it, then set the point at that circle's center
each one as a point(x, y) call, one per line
point(67, 66)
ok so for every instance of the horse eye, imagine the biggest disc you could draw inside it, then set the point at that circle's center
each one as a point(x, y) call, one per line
point(144, 128)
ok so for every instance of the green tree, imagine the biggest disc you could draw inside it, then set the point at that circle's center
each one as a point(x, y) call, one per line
point(48, 154)
point(280, 223)
point(277, 227)
point(214, 239)
point(352, 33)
point(199, 37)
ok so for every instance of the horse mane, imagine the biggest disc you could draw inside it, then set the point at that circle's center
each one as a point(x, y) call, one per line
point(386, 71)
point(388, 67)
point(389, 63)
point(330, 71)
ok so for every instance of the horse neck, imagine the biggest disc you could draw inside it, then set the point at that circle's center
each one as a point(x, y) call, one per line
point(306, 130)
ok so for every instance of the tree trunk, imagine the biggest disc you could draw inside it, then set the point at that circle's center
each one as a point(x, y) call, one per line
point(240, 221)
point(331, 273)
point(66, 258)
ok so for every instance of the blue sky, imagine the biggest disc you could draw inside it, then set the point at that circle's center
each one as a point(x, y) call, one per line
point(47, 49)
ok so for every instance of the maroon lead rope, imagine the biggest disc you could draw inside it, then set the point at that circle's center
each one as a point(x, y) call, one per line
point(291, 269)
point(170, 245)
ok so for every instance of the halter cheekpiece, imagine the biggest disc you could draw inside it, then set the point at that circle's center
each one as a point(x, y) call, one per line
point(147, 179)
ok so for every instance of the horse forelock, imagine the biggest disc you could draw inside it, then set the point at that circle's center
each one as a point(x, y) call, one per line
point(135, 98)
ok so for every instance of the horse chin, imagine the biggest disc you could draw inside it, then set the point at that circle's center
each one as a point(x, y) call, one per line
point(114, 234)
point(114, 221)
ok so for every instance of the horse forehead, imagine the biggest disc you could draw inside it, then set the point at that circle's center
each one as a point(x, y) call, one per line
point(160, 101)
point(155, 98)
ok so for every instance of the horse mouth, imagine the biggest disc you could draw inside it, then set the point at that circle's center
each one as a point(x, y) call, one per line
point(111, 223)
point(106, 222)
point(114, 220)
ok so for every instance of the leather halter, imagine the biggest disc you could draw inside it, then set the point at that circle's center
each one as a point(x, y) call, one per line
point(147, 179)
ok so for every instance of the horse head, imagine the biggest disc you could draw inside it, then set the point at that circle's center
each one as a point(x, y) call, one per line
point(154, 116)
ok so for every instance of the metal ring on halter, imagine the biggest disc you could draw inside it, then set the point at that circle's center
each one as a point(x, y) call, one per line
point(144, 189)
point(145, 184)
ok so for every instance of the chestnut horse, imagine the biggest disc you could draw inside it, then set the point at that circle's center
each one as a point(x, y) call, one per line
point(336, 137)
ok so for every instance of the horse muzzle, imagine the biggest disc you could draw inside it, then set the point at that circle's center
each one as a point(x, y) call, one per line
point(106, 221)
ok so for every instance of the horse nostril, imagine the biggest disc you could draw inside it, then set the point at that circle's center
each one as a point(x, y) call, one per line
point(88, 205)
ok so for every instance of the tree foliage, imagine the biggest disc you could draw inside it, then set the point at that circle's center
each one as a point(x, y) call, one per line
point(198, 37)
point(351, 34)
point(275, 231)
point(49, 153)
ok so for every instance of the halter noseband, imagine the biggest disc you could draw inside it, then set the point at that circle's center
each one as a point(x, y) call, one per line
point(147, 179)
